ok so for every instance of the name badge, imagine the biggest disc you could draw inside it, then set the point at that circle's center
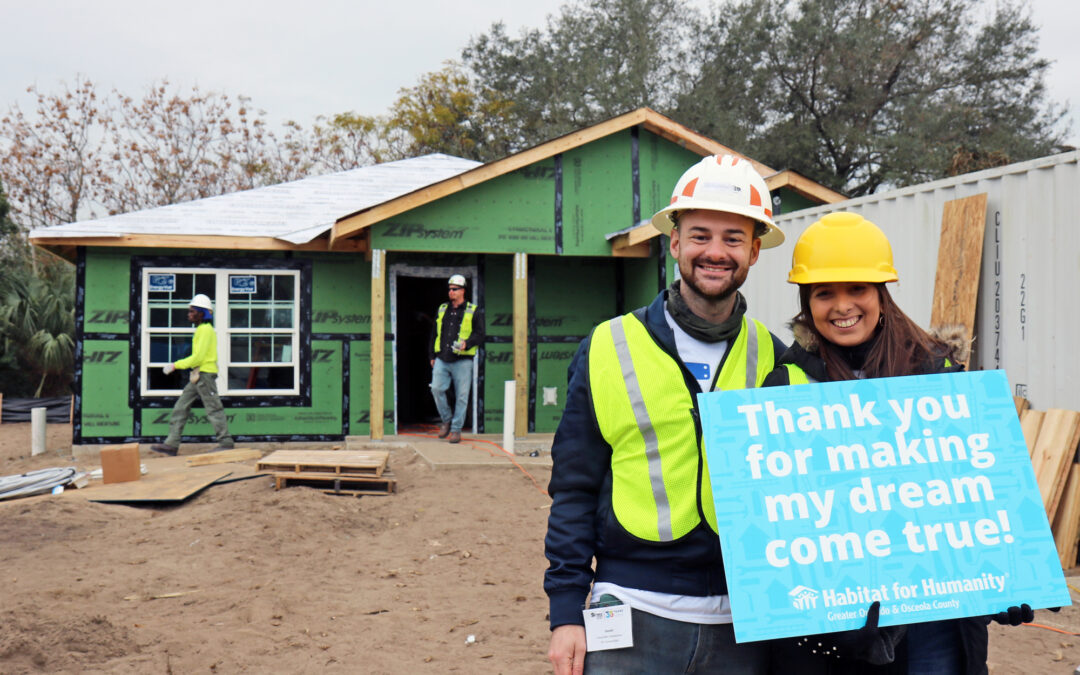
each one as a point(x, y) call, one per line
point(608, 627)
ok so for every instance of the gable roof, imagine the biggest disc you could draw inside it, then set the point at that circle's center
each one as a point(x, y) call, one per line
point(353, 224)
point(284, 216)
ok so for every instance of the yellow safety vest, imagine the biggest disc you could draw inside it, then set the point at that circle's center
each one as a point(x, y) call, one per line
point(660, 482)
point(797, 375)
point(464, 331)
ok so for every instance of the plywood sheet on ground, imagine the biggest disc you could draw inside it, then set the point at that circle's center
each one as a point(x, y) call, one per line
point(224, 457)
point(164, 486)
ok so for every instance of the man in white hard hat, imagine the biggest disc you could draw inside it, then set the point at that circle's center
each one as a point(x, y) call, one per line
point(202, 382)
point(628, 484)
point(459, 330)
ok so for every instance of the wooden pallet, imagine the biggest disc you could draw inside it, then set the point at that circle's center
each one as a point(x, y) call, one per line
point(335, 463)
point(340, 485)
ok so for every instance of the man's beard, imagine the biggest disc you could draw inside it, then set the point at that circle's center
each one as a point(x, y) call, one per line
point(738, 278)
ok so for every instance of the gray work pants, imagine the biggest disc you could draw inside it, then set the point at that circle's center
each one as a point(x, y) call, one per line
point(206, 390)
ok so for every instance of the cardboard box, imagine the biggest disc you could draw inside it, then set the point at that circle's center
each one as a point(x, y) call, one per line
point(120, 463)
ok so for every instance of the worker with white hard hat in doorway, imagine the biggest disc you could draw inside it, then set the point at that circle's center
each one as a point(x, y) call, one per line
point(202, 381)
point(458, 331)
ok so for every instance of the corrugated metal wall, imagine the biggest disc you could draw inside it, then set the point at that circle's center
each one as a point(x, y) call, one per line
point(1028, 319)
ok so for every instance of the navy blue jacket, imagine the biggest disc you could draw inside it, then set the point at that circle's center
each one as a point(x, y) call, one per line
point(582, 526)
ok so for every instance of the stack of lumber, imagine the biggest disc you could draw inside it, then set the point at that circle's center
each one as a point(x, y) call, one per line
point(1052, 439)
point(352, 472)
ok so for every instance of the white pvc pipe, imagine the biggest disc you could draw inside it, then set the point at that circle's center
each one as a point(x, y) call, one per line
point(509, 404)
point(37, 431)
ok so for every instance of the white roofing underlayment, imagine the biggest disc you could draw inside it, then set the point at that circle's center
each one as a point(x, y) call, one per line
point(296, 212)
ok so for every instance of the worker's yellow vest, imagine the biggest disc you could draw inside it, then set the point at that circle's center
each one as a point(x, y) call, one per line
point(463, 332)
point(660, 483)
point(797, 375)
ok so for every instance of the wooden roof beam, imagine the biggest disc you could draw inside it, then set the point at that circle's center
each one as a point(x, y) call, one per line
point(803, 186)
point(57, 244)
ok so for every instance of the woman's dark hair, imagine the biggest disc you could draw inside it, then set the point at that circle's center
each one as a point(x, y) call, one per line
point(902, 347)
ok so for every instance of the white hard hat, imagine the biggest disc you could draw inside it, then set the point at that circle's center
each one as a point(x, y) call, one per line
point(456, 280)
point(722, 183)
point(202, 302)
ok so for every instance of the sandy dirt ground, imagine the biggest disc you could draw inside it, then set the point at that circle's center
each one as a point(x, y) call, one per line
point(242, 578)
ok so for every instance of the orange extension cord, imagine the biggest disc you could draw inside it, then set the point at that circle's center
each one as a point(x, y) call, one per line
point(474, 443)
point(1056, 630)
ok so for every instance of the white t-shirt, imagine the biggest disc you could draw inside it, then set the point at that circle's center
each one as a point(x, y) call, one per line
point(702, 359)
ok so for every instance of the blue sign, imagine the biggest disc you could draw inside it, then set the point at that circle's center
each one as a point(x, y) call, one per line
point(917, 492)
point(162, 282)
point(244, 283)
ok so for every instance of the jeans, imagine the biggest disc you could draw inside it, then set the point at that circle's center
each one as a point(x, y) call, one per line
point(666, 646)
point(206, 390)
point(934, 648)
point(442, 374)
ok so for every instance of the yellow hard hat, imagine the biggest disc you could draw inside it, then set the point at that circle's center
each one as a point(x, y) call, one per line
point(842, 247)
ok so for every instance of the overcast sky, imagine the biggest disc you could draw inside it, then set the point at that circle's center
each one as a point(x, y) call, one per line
point(297, 60)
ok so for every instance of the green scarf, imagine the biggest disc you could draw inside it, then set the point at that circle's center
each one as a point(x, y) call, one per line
point(699, 328)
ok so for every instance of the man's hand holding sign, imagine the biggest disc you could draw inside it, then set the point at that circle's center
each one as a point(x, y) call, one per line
point(913, 492)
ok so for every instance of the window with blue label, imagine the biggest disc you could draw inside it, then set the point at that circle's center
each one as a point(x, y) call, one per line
point(255, 316)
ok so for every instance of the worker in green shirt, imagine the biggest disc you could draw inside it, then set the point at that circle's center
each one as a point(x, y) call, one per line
point(203, 361)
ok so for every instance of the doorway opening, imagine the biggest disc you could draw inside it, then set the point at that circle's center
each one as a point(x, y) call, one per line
point(416, 304)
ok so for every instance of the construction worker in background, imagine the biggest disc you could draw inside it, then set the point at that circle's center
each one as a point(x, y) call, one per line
point(458, 331)
point(628, 483)
point(202, 381)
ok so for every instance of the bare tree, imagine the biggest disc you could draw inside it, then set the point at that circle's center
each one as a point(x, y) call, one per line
point(52, 162)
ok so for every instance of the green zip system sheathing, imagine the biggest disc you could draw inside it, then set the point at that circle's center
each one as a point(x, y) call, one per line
point(109, 407)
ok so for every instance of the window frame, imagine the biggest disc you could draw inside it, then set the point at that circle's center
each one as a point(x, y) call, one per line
point(222, 269)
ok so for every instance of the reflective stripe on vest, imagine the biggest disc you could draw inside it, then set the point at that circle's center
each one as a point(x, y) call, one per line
point(656, 490)
point(464, 331)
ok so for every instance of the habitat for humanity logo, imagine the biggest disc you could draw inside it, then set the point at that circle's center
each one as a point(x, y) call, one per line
point(803, 597)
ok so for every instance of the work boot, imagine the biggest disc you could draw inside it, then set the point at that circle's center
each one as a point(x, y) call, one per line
point(227, 444)
point(163, 449)
point(455, 437)
point(444, 430)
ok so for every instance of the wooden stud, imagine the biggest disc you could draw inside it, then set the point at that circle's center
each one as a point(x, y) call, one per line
point(1054, 451)
point(1030, 423)
point(1, 408)
point(803, 186)
point(1067, 521)
point(378, 342)
point(521, 344)
point(1022, 404)
point(956, 285)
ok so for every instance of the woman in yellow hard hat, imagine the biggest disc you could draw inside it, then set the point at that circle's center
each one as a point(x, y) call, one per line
point(848, 327)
